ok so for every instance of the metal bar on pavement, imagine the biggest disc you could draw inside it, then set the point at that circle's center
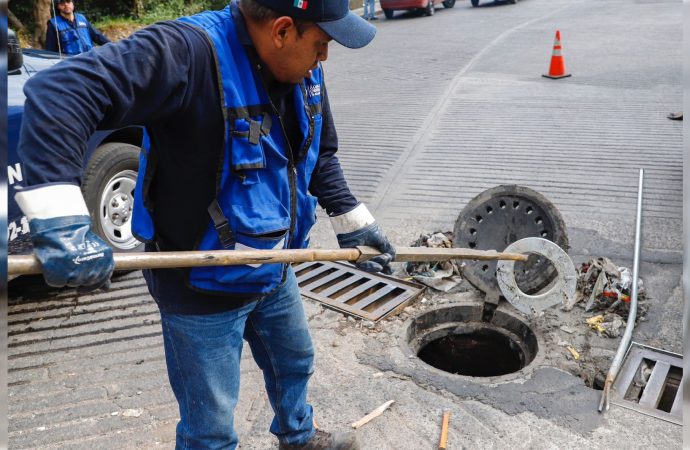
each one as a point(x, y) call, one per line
point(632, 315)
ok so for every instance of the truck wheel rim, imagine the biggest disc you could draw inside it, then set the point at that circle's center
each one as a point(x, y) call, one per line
point(117, 201)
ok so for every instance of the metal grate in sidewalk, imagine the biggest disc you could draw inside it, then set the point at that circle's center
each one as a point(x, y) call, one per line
point(353, 291)
point(651, 382)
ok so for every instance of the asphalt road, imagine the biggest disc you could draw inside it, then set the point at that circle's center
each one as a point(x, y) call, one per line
point(436, 110)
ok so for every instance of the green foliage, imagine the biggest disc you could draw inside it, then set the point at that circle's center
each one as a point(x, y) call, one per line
point(157, 10)
point(111, 10)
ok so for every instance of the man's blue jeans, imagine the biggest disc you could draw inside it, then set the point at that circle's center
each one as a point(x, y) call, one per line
point(203, 358)
point(369, 9)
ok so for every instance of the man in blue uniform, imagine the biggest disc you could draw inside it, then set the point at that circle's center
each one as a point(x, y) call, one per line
point(241, 149)
point(70, 33)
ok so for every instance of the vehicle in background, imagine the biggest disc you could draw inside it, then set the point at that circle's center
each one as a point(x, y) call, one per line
point(476, 2)
point(427, 7)
point(110, 171)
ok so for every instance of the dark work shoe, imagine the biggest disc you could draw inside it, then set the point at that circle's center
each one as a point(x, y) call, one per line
point(326, 441)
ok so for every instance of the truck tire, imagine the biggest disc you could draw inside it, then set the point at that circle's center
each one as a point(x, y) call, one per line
point(388, 13)
point(448, 3)
point(108, 189)
point(475, 2)
point(429, 10)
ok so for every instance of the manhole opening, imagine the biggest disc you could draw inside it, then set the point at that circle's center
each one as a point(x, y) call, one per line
point(483, 353)
point(456, 340)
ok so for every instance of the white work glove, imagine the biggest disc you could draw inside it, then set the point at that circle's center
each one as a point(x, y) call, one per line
point(358, 227)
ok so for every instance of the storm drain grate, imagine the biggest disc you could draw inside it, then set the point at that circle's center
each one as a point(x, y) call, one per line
point(651, 382)
point(362, 294)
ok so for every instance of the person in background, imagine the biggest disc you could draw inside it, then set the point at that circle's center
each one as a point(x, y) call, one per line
point(70, 33)
point(369, 10)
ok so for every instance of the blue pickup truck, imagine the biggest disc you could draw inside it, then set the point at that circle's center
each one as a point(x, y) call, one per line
point(110, 171)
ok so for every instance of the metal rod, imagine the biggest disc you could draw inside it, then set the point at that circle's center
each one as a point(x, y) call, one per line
point(632, 314)
point(28, 264)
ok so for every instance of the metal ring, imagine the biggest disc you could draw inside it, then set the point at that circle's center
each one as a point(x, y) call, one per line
point(562, 290)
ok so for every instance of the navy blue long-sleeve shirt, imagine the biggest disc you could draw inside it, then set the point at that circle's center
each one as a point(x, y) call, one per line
point(52, 36)
point(163, 77)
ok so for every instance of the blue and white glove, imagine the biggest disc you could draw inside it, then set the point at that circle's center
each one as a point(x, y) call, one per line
point(358, 227)
point(69, 252)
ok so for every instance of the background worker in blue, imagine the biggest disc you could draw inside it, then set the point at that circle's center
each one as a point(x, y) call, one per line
point(70, 33)
point(242, 147)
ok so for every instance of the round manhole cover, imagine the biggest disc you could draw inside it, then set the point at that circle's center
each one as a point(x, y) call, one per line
point(500, 216)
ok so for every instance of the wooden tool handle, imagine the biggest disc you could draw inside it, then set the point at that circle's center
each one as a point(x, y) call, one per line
point(28, 264)
point(418, 254)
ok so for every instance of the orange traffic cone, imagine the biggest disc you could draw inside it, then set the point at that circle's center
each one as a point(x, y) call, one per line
point(557, 68)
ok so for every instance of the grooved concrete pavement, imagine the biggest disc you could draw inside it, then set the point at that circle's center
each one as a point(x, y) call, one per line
point(484, 116)
point(433, 112)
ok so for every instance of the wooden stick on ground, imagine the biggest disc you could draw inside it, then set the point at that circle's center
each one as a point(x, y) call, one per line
point(444, 431)
point(372, 415)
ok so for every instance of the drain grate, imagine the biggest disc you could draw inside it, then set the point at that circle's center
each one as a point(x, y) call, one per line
point(347, 289)
point(651, 382)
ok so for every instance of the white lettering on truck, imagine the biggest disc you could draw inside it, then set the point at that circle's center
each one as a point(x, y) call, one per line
point(14, 174)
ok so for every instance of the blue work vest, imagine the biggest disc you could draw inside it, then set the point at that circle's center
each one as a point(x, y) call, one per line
point(262, 199)
point(74, 37)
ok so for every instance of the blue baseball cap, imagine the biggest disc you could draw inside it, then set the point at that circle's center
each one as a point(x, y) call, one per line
point(332, 16)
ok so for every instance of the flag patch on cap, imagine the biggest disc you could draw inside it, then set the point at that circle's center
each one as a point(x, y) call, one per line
point(301, 4)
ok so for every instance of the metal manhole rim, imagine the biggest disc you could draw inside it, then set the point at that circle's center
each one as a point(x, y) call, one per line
point(523, 374)
point(562, 289)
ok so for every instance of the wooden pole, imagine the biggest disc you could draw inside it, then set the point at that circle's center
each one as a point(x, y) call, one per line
point(28, 264)
point(444, 431)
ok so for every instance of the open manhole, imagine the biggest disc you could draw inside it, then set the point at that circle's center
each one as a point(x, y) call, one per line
point(454, 339)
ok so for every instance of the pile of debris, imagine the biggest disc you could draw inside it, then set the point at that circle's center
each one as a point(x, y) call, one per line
point(441, 275)
point(604, 287)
